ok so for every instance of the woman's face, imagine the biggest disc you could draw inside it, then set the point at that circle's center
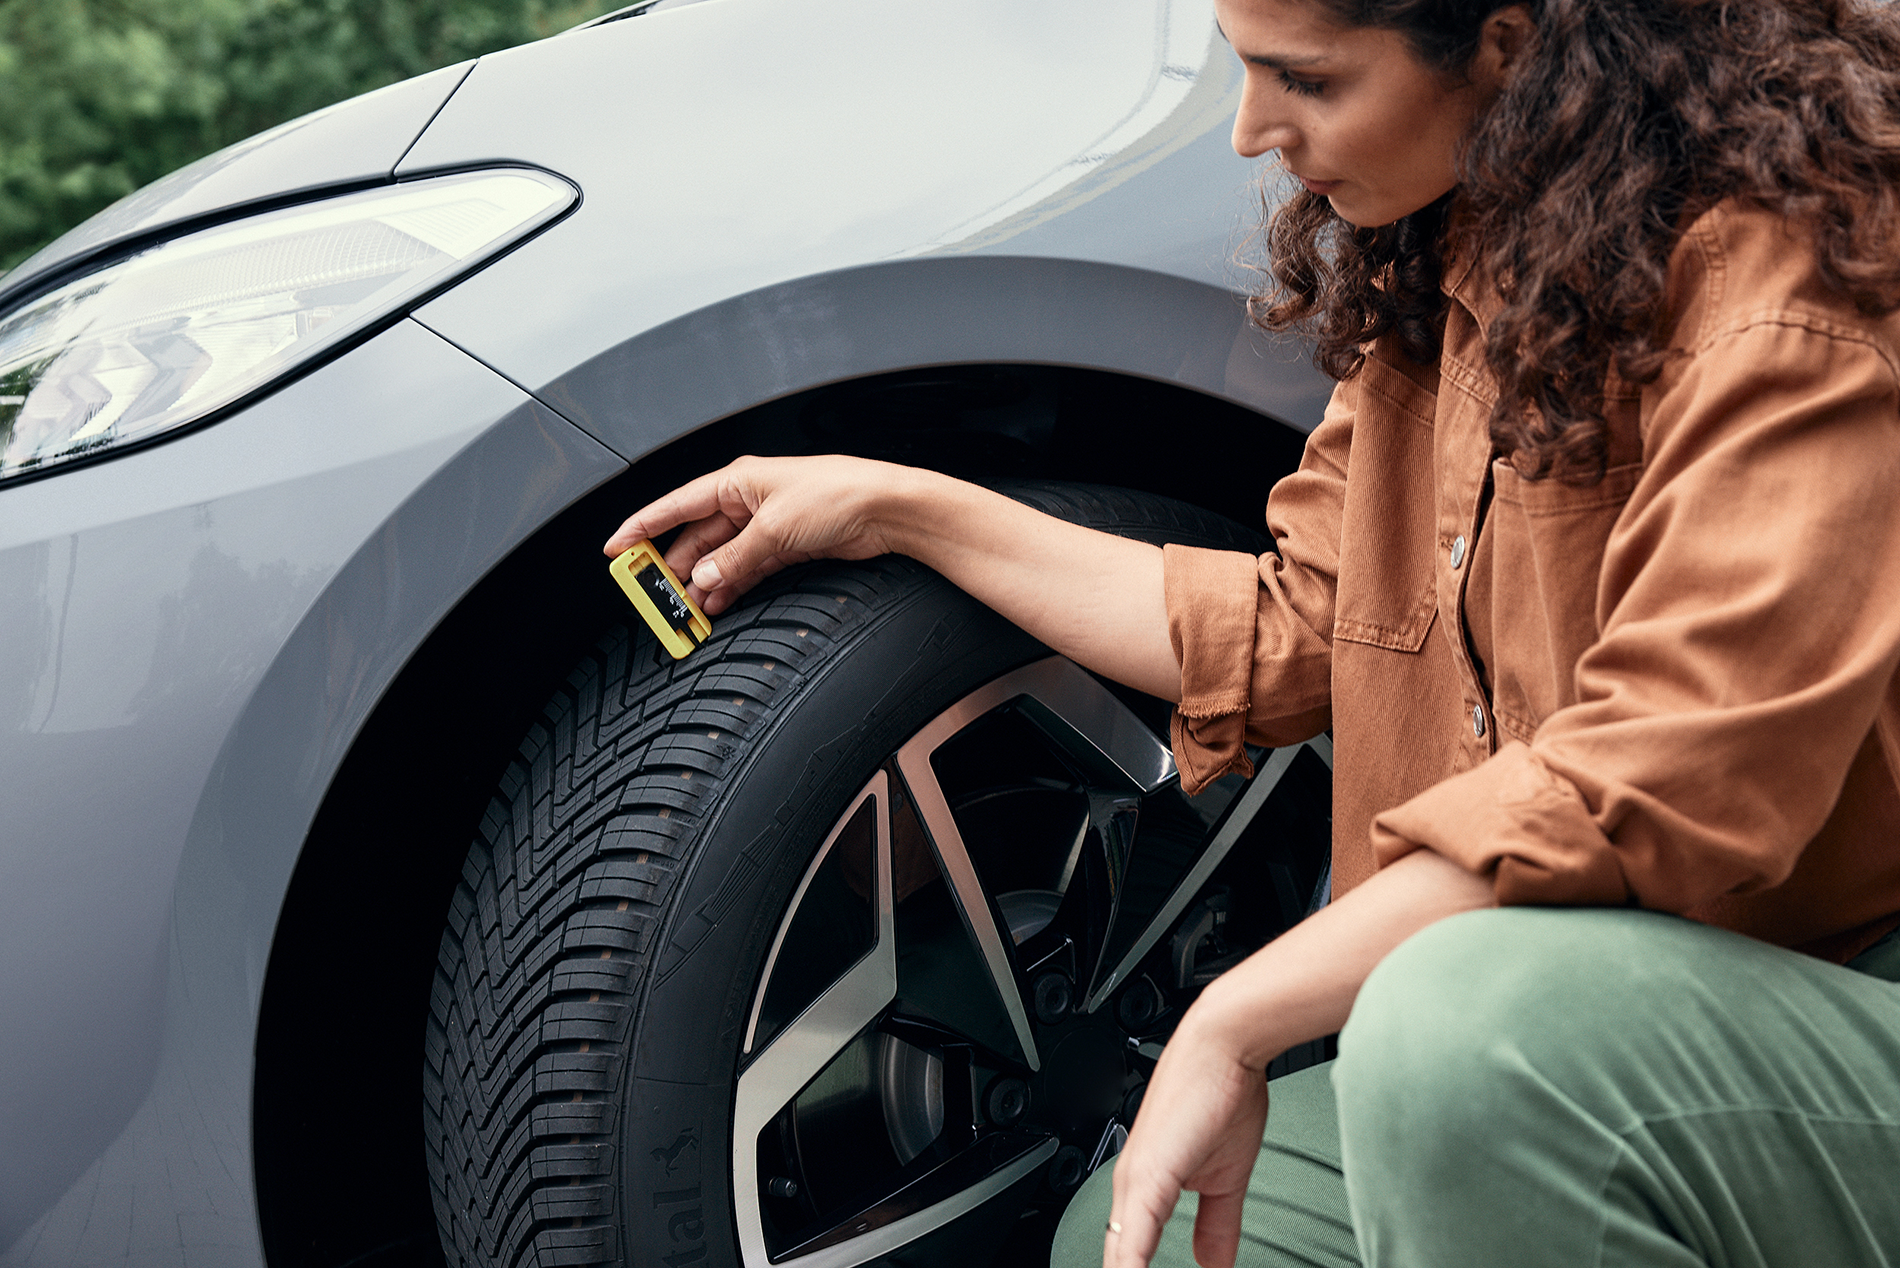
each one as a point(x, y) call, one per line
point(1354, 113)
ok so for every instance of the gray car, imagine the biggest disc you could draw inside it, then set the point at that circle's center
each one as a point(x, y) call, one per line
point(373, 889)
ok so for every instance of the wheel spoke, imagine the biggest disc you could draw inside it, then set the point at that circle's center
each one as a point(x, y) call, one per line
point(1100, 734)
point(966, 1182)
point(927, 795)
point(1238, 819)
point(1086, 720)
point(818, 1035)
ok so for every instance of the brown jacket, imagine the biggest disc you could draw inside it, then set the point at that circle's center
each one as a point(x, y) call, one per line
point(1675, 688)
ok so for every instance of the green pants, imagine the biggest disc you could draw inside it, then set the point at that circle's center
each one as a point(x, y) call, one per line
point(1581, 1089)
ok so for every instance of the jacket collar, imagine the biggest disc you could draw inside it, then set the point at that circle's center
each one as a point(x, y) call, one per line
point(1463, 282)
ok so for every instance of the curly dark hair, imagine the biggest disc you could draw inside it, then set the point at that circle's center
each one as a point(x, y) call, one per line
point(1626, 119)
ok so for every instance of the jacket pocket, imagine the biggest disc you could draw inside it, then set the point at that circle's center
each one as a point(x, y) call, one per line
point(1542, 557)
point(1388, 592)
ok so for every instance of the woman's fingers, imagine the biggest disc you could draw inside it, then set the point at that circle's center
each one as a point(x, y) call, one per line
point(1139, 1211)
point(695, 500)
point(713, 602)
point(696, 540)
point(1217, 1226)
point(1143, 1204)
point(757, 509)
point(774, 533)
point(1199, 1129)
point(755, 516)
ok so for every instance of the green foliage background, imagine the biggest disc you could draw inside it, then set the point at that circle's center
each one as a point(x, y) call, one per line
point(100, 97)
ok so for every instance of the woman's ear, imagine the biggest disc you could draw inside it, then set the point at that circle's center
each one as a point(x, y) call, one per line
point(1503, 44)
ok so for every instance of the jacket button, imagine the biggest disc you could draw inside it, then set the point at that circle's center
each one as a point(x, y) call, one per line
point(1458, 554)
point(1477, 720)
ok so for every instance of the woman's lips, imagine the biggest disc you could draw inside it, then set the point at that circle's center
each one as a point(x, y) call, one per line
point(1321, 188)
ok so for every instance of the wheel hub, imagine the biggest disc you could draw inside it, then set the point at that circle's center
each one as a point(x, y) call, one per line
point(1084, 1080)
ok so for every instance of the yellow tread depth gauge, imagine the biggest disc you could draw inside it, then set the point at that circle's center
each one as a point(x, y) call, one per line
point(660, 598)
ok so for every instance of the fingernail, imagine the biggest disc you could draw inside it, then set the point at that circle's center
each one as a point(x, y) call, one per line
point(706, 575)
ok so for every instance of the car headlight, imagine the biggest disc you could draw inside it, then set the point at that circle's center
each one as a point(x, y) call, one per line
point(157, 339)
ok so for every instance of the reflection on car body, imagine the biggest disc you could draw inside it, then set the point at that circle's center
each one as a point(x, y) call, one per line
point(299, 578)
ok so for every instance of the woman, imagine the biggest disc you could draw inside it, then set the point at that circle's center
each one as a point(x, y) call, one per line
point(1594, 569)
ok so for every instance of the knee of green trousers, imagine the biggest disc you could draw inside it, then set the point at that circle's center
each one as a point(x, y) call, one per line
point(1438, 1072)
point(1604, 1005)
point(1461, 1005)
point(1526, 1085)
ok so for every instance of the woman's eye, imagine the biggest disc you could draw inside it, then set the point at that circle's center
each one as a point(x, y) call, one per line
point(1304, 87)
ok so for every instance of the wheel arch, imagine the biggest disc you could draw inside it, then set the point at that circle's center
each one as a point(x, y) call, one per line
point(339, 1169)
point(788, 338)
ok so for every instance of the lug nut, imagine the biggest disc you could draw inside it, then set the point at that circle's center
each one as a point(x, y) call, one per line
point(1006, 1101)
point(1140, 1004)
point(1066, 1169)
point(1054, 998)
point(782, 1187)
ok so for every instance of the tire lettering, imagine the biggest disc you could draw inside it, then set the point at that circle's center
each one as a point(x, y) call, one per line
point(675, 1197)
point(687, 1226)
point(671, 1156)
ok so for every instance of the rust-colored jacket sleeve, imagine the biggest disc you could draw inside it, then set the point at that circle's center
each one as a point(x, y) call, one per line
point(1749, 616)
point(1254, 635)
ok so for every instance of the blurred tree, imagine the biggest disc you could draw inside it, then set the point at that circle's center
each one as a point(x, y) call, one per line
point(99, 97)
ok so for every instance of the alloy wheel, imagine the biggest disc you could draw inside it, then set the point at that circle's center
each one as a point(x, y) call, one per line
point(976, 973)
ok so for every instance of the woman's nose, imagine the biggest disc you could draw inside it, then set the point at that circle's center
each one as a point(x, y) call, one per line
point(1261, 123)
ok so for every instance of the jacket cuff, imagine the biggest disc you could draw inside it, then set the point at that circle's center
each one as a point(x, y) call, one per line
point(1213, 597)
point(1205, 749)
point(1518, 823)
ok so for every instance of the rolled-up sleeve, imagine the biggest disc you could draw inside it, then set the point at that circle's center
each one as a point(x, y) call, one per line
point(1749, 616)
point(1254, 635)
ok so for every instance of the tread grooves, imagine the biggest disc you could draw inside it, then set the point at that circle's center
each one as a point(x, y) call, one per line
point(577, 851)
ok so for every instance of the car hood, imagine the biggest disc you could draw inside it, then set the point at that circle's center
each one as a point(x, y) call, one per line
point(732, 145)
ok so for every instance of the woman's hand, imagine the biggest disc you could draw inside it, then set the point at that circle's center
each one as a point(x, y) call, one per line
point(1202, 1116)
point(1199, 1128)
point(1094, 597)
point(756, 516)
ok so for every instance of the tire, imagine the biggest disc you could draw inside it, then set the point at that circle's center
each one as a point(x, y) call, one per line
point(851, 936)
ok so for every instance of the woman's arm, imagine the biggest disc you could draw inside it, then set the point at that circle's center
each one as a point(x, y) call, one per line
point(1204, 1109)
point(1091, 596)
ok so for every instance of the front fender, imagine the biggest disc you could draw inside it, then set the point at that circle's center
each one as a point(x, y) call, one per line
point(194, 635)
